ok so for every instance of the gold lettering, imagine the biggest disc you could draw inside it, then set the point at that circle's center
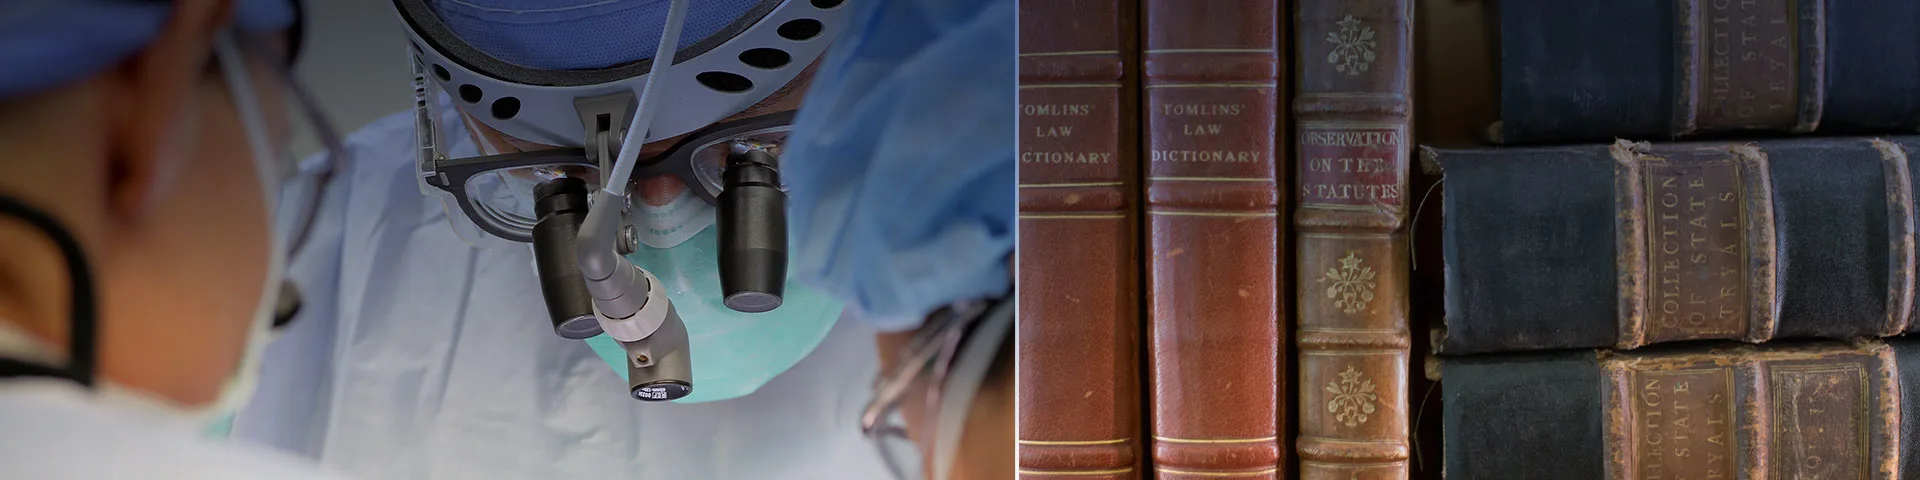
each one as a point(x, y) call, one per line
point(1053, 132)
point(1066, 157)
point(1202, 130)
point(1056, 110)
point(1206, 156)
point(1349, 191)
point(1202, 110)
point(1345, 138)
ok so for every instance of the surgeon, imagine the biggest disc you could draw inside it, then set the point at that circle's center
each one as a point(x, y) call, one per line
point(436, 335)
point(141, 242)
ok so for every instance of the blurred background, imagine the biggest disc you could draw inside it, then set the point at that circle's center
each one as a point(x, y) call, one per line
point(356, 67)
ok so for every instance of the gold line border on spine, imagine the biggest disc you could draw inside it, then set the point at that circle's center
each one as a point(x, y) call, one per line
point(1320, 439)
point(1347, 124)
point(1214, 441)
point(1070, 53)
point(1075, 473)
point(1090, 216)
point(1351, 330)
point(1074, 442)
point(1392, 463)
point(1344, 208)
point(1071, 185)
point(1211, 179)
point(1352, 353)
point(1348, 236)
point(1212, 50)
point(1071, 85)
point(1176, 471)
point(1215, 85)
point(1213, 214)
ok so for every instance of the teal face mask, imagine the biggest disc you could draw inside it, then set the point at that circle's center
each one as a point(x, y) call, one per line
point(733, 353)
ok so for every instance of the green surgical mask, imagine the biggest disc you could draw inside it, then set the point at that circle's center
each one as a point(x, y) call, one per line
point(734, 353)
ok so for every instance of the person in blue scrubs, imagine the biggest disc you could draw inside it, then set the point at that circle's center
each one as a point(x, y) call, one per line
point(430, 355)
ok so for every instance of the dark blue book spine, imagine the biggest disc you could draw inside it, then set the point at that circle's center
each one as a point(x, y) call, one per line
point(1660, 69)
point(1635, 244)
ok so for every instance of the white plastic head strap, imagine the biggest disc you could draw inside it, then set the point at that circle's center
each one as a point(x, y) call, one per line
point(233, 65)
point(643, 323)
point(963, 383)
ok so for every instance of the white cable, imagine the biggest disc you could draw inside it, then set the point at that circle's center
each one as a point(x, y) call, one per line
point(649, 95)
point(620, 289)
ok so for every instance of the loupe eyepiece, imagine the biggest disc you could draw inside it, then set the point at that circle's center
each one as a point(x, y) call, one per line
point(660, 367)
point(561, 205)
point(753, 231)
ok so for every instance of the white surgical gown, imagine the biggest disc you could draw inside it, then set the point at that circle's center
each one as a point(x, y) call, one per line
point(51, 428)
point(418, 357)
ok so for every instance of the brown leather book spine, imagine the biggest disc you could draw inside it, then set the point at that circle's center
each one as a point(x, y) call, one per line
point(1749, 65)
point(1212, 75)
point(1353, 71)
point(1753, 412)
point(1079, 257)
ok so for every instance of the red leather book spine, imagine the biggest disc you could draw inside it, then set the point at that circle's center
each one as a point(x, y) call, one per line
point(1079, 255)
point(1351, 112)
point(1212, 82)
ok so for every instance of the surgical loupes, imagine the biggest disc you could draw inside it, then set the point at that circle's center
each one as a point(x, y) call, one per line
point(753, 229)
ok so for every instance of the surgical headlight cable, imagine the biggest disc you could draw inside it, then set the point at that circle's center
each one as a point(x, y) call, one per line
point(629, 303)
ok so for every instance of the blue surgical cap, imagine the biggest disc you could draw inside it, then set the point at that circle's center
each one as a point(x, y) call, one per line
point(901, 163)
point(45, 43)
point(580, 34)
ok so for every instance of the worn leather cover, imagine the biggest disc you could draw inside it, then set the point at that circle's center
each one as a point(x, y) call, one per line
point(1632, 244)
point(1785, 410)
point(1213, 119)
point(1079, 257)
point(1658, 69)
point(1354, 63)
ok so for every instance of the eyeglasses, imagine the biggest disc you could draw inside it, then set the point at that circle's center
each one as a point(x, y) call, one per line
point(930, 357)
point(275, 119)
point(494, 192)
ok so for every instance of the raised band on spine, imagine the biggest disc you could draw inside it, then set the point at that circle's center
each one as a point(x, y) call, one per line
point(1630, 233)
point(1900, 261)
point(1812, 48)
point(1756, 196)
point(1686, 66)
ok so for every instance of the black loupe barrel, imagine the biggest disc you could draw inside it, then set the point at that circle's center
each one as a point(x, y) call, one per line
point(561, 206)
point(753, 232)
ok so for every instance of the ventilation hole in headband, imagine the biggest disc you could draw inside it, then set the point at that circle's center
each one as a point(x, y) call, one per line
point(470, 93)
point(768, 58)
point(800, 29)
point(441, 72)
point(826, 4)
point(505, 108)
point(725, 82)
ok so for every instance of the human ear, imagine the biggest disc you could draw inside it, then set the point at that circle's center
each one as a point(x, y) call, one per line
point(152, 109)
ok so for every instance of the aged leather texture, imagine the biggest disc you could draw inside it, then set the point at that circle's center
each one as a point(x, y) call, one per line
point(1794, 409)
point(1354, 65)
point(1212, 117)
point(1632, 244)
point(1080, 411)
point(1660, 69)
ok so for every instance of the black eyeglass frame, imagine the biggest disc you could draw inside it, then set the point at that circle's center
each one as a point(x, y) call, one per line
point(452, 175)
